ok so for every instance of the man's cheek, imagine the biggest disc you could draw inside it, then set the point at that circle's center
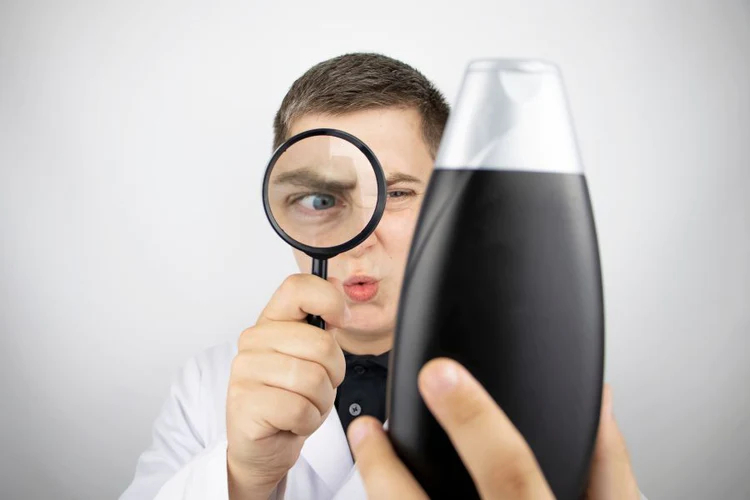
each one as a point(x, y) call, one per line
point(406, 226)
point(400, 230)
point(304, 263)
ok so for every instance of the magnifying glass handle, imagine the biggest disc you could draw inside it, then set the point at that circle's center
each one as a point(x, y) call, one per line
point(319, 268)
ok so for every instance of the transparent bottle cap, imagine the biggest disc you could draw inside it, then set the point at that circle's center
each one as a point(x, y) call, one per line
point(510, 115)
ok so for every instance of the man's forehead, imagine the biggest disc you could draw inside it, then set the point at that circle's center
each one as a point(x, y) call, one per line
point(382, 127)
point(401, 177)
point(394, 134)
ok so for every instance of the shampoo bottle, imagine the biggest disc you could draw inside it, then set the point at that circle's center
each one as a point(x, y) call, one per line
point(504, 277)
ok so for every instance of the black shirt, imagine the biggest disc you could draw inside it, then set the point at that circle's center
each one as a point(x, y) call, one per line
point(363, 390)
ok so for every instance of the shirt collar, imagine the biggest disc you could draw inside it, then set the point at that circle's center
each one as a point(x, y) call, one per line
point(380, 360)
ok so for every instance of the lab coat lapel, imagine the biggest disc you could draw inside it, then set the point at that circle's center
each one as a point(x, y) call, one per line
point(353, 488)
point(327, 452)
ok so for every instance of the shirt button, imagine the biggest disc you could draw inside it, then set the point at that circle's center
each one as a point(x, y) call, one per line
point(359, 369)
point(354, 409)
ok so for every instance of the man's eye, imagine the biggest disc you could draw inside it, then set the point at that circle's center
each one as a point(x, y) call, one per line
point(318, 201)
point(398, 194)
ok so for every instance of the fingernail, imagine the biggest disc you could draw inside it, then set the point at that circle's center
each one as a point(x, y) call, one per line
point(358, 430)
point(347, 313)
point(440, 377)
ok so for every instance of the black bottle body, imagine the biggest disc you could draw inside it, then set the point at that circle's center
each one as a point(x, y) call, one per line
point(503, 276)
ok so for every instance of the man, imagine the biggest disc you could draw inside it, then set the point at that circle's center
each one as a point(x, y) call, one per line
point(266, 418)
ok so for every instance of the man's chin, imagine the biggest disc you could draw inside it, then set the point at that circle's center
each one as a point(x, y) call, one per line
point(370, 325)
point(370, 331)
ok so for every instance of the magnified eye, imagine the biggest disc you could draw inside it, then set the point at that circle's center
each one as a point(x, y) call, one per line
point(318, 201)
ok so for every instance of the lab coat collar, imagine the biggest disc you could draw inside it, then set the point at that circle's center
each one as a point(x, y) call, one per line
point(327, 452)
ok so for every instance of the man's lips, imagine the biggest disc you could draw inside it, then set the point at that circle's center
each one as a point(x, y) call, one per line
point(361, 288)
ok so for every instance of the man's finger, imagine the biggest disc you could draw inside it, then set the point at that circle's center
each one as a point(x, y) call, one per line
point(301, 341)
point(494, 452)
point(385, 477)
point(303, 294)
point(299, 376)
point(611, 474)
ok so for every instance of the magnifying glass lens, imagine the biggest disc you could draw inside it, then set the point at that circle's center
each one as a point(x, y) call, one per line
point(322, 191)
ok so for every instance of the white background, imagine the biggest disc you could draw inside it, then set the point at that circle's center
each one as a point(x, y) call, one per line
point(133, 136)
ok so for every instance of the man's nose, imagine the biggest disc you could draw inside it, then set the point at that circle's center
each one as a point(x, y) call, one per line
point(362, 248)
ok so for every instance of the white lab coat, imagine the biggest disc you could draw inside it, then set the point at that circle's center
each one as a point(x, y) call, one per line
point(187, 457)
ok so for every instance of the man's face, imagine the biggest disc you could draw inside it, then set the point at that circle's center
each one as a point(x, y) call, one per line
point(370, 275)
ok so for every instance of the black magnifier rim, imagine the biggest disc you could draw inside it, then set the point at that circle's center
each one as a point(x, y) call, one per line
point(328, 252)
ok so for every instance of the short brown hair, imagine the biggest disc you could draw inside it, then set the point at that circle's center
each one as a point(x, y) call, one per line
point(361, 81)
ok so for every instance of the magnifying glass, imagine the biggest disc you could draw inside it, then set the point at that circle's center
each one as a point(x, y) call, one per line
point(324, 193)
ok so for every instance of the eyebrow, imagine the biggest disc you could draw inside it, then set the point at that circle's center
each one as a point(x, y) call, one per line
point(309, 179)
point(397, 177)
